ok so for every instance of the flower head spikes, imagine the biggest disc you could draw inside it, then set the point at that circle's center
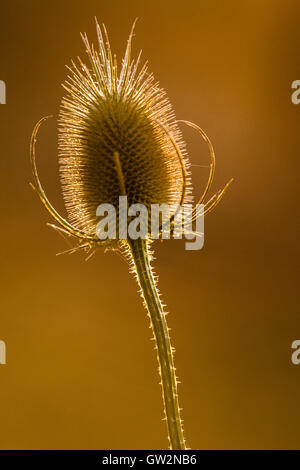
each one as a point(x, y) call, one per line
point(117, 136)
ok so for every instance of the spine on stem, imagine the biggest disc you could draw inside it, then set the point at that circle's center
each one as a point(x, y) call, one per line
point(140, 255)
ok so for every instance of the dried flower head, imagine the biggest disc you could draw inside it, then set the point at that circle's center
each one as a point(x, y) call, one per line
point(114, 138)
point(117, 136)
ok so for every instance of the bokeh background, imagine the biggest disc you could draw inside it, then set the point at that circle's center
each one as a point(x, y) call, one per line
point(81, 371)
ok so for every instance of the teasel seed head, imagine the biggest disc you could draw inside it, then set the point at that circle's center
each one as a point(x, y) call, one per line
point(118, 135)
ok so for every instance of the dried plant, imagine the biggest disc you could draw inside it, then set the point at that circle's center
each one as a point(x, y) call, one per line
point(118, 136)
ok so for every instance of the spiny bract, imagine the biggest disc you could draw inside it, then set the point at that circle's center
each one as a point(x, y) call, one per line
point(117, 136)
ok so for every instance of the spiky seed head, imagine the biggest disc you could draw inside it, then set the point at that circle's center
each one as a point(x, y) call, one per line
point(117, 136)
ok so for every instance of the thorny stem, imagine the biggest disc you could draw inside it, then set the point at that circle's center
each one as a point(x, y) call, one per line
point(141, 257)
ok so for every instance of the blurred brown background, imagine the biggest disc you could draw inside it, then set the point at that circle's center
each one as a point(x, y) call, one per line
point(81, 371)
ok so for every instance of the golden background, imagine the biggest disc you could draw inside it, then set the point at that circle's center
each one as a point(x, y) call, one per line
point(81, 370)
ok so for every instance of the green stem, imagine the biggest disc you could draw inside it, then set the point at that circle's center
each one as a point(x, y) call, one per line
point(141, 258)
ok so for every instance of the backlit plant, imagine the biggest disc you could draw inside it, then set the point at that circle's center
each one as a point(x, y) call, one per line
point(118, 136)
